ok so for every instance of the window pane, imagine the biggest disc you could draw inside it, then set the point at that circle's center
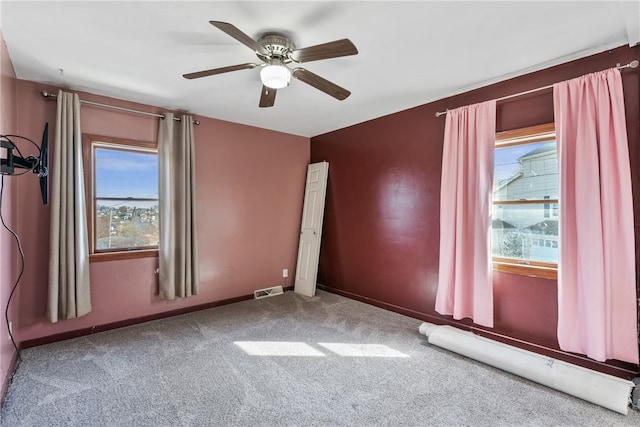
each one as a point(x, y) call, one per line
point(526, 231)
point(124, 224)
point(526, 172)
point(122, 178)
point(124, 173)
point(520, 231)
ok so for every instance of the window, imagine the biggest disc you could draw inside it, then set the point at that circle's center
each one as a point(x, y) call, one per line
point(525, 202)
point(122, 196)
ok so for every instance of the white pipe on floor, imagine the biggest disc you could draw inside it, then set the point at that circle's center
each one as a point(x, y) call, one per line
point(595, 387)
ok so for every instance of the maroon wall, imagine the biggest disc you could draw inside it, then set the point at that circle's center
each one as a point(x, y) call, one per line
point(381, 232)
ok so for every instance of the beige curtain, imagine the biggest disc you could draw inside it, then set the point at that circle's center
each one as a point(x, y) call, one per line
point(69, 286)
point(178, 246)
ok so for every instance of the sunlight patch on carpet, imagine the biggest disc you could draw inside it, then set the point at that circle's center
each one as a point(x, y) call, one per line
point(296, 348)
point(362, 350)
point(273, 348)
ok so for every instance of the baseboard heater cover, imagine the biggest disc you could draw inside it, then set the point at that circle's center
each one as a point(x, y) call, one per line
point(595, 387)
point(268, 292)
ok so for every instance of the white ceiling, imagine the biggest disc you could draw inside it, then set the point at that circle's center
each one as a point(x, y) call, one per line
point(410, 53)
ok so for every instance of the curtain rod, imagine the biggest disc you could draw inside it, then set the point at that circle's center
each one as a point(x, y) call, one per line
point(632, 64)
point(113, 107)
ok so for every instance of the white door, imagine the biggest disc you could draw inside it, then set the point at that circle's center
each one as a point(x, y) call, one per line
point(311, 229)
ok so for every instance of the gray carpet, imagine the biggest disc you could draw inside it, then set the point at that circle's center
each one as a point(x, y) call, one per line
point(354, 365)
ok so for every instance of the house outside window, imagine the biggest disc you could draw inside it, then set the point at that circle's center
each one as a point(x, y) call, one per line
point(525, 202)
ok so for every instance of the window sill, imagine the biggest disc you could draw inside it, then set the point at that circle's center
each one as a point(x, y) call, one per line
point(526, 270)
point(113, 256)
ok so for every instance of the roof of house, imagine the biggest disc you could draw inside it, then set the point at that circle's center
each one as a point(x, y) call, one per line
point(548, 226)
point(544, 148)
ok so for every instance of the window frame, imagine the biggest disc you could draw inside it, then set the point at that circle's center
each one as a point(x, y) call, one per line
point(89, 142)
point(510, 138)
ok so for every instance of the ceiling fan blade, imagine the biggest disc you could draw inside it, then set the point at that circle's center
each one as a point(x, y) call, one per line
point(234, 32)
point(321, 84)
point(328, 50)
point(267, 97)
point(221, 70)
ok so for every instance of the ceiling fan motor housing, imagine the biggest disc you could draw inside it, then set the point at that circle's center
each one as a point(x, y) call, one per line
point(279, 48)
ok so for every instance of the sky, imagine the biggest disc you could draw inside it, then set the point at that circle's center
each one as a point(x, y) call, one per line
point(126, 174)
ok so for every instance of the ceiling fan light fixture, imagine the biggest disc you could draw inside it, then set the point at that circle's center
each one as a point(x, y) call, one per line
point(275, 76)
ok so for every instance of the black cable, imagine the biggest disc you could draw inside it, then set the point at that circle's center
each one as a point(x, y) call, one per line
point(21, 137)
point(18, 174)
point(15, 147)
point(15, 236)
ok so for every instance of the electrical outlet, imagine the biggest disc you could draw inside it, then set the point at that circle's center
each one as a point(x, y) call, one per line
point(285, 272)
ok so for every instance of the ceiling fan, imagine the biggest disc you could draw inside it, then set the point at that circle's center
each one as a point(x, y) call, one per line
point(277, 52)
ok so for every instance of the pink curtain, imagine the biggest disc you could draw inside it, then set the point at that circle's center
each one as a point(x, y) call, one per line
point(465, 286)
point(597, 313)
